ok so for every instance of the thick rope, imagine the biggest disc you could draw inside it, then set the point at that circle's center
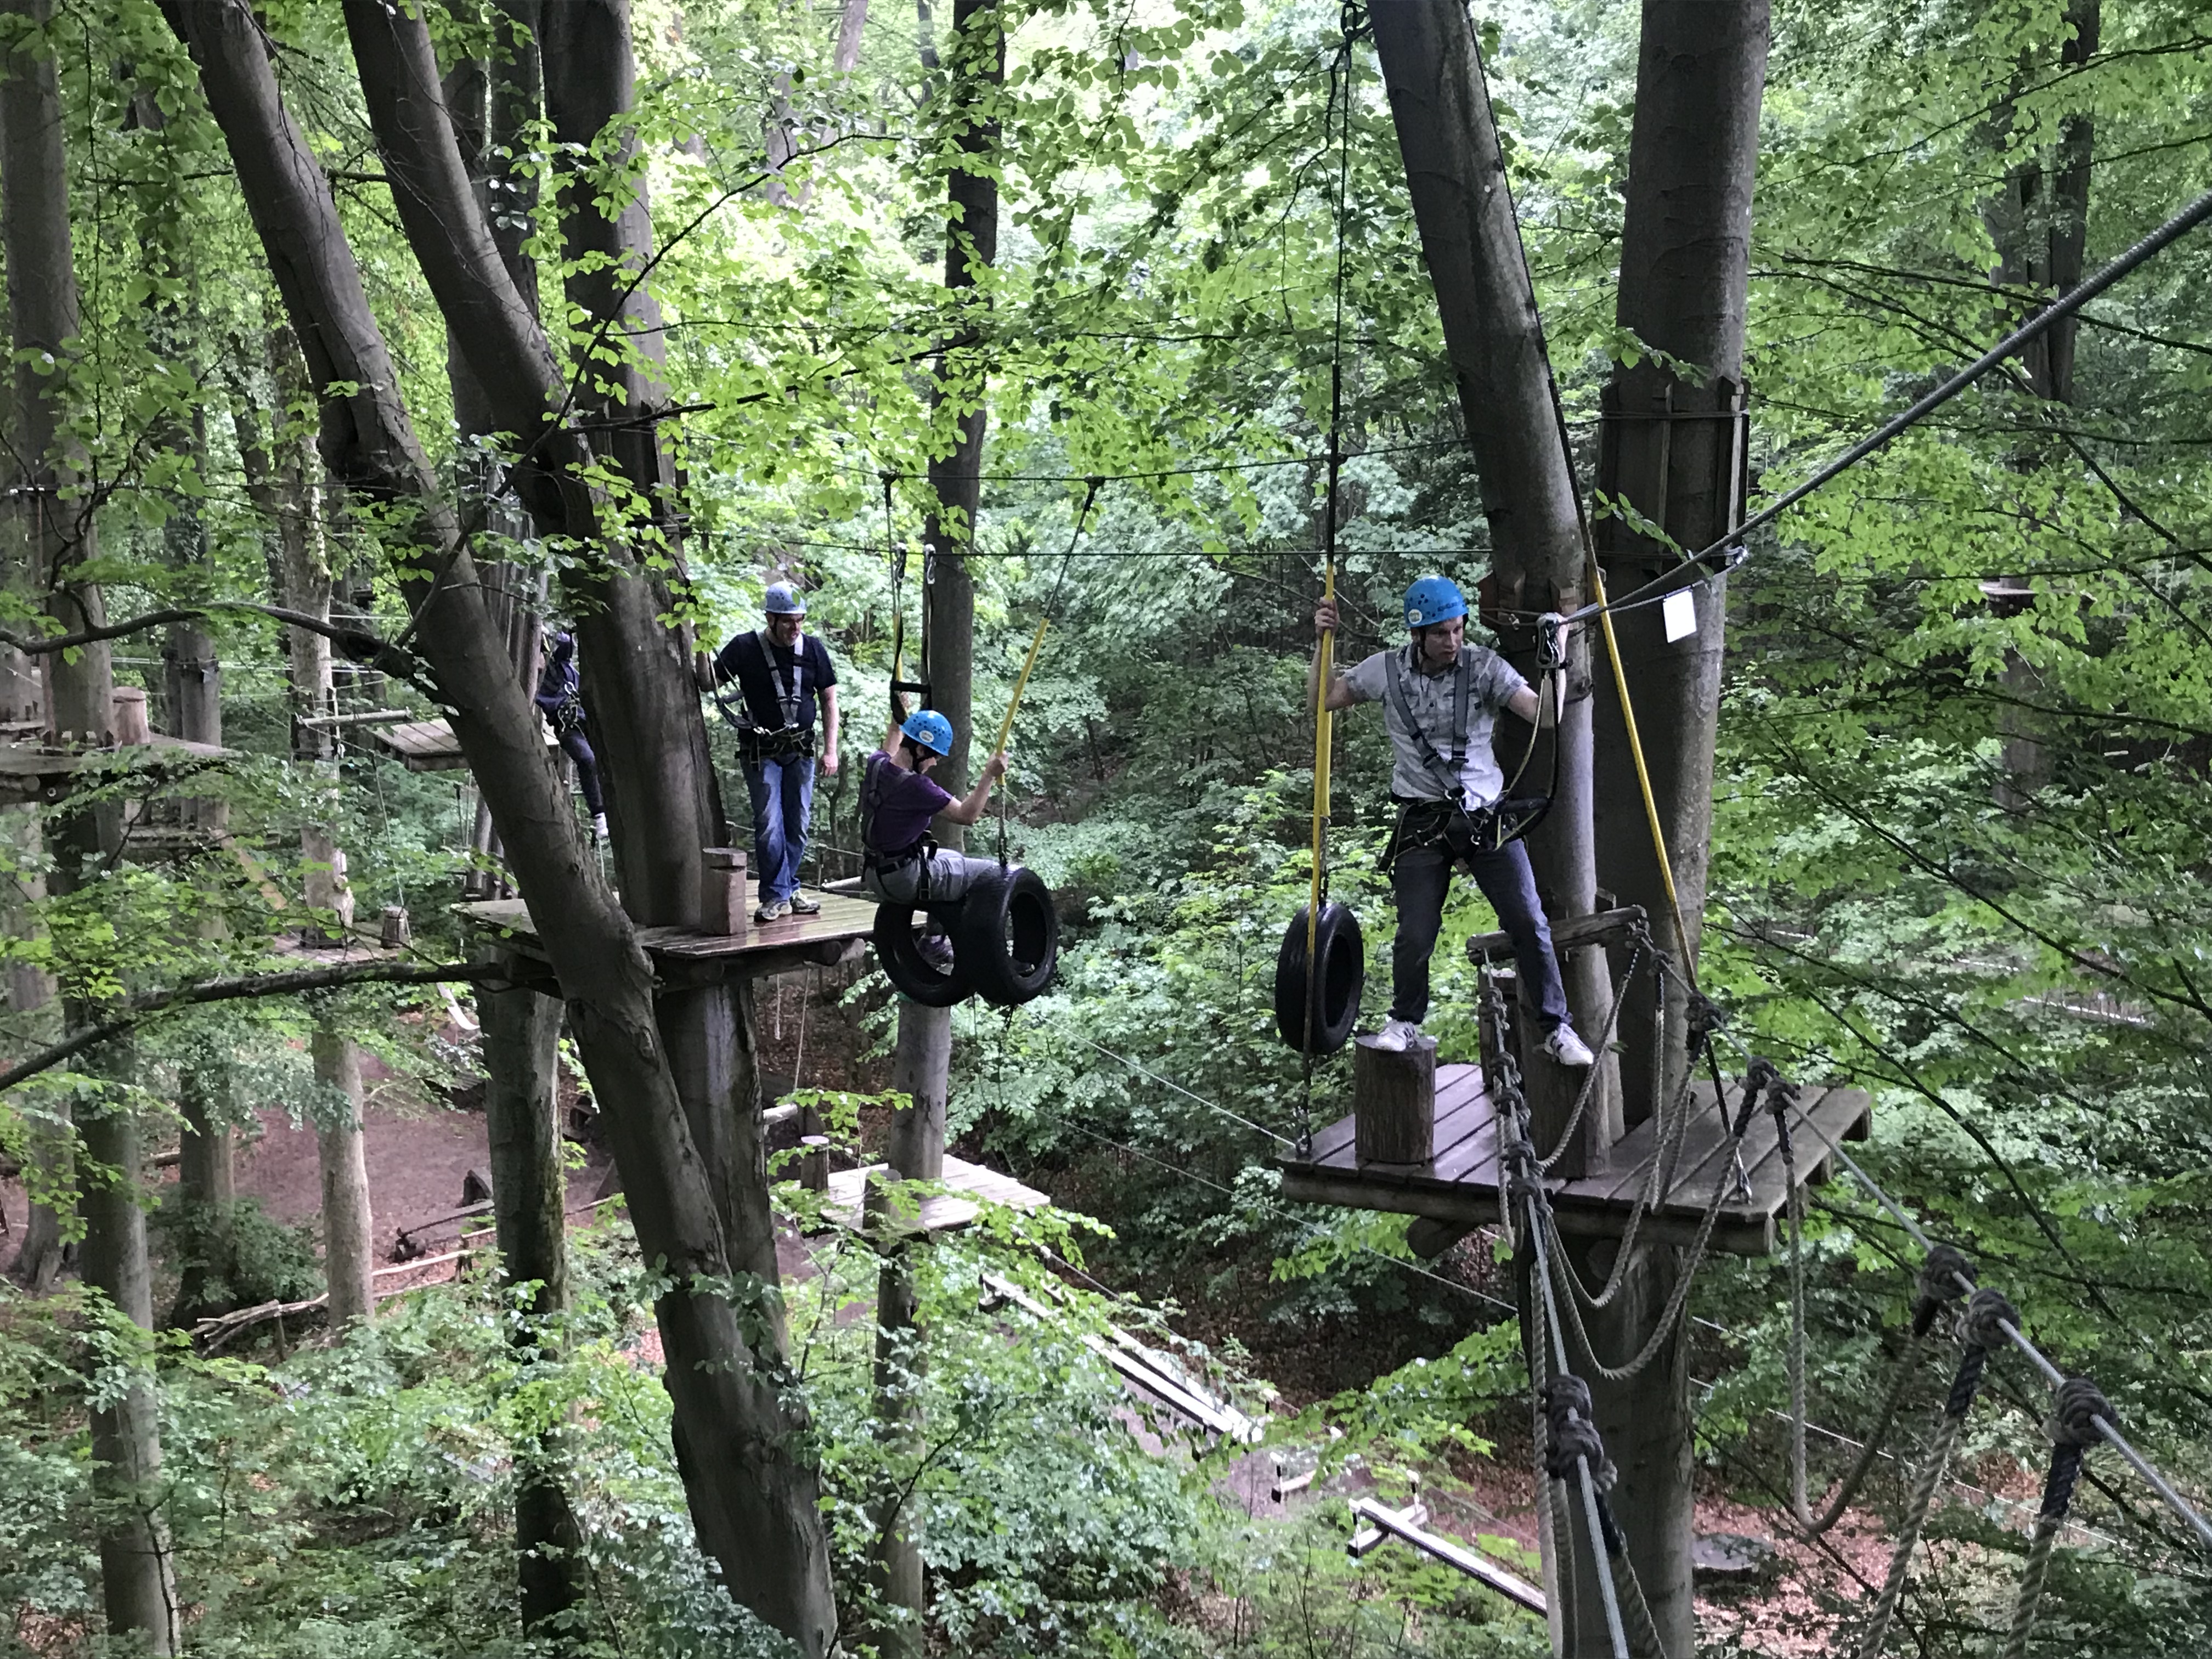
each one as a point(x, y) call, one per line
point(1937, 1288)
point(2073, 1430)
point(1981, 1329)
point(1762, 1075)
point(1597, 1069)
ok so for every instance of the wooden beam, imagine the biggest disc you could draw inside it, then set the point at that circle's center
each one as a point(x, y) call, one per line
point(1607, 927)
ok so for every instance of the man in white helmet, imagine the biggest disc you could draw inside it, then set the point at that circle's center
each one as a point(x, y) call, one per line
point(1440, 698)
point(783, 675)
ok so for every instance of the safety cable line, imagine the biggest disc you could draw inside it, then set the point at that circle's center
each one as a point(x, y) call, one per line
point(1177, 472)
point(2059, 309)
point(1259, 1128)
point(2011, 1330)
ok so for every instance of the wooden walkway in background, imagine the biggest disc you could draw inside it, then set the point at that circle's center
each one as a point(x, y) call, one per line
point(955, 1207)
point(836, 933)
point(1459, 1181)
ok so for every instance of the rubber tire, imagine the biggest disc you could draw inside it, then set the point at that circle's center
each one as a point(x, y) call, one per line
point(898, 950)
point(1007, 942)
point(1336, 988)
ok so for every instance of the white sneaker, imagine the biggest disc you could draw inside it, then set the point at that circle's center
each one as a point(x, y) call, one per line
point(1569, 1050)
point(769, 912)
point(1398, 1036)
point(803, 906)
point(599, 826)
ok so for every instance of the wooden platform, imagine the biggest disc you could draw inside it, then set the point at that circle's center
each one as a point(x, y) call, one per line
point(941, 1212)
point(33, 772)
point(428, 746)
point(1459, 1181)
point(836, 934)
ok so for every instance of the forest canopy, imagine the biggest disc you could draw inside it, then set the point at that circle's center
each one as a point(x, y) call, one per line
point(363, 353)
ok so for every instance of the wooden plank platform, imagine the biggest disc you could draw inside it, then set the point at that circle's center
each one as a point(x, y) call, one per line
point(941, 1212)
point(32, 771)
point(1459, 1182)
point(427, 745)
point(836, 933)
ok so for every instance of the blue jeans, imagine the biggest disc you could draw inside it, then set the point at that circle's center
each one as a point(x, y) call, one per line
point(783, 801)
point(1420, 880)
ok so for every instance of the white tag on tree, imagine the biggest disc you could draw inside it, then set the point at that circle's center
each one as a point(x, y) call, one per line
point(1679, 611)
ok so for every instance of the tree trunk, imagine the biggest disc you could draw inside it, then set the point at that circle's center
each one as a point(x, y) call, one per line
point(44, 1251)
point(136, 1583)
point(1456, 175)
point(1677, 451)
point(347, 1255)
point(738, 1443)
point(281, 481)
point(521, 1051)
point(852, 24)
point(207, 1188)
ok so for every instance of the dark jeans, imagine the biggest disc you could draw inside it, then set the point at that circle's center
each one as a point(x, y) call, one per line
point(782, 793)
point(577, 748)
point(1419, 881)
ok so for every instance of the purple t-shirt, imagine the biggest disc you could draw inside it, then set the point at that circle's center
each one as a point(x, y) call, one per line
point(907, 802)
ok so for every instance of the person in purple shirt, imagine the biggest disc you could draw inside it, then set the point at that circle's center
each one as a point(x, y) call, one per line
point(899, 800)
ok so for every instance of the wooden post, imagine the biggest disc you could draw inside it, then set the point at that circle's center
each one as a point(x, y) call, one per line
point(722, 892)
point(1394, 1102)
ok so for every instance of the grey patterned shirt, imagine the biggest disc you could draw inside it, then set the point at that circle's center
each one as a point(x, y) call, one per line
point(1430, 697)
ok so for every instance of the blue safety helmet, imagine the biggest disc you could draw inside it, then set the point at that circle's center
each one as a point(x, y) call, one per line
point(1433, 599)
point(930, 729)
point(780, 601)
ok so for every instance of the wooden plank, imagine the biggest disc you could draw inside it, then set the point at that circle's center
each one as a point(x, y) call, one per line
point(969, 1186)
point(841, 920)
point(1602, 928)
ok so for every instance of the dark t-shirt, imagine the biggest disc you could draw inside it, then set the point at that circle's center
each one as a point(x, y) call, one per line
point(764, 678)
point(905, 803)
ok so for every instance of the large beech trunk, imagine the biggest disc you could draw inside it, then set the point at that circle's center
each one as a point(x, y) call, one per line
point(752, 1498)
point(1471, 242)
point(1457, 176)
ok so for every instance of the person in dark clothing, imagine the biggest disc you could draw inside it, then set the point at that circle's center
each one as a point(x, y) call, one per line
point(560, 699)
point(781, 675)
point(899, 800)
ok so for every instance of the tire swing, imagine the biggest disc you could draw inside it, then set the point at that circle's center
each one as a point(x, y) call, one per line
point(1008, 940)
point(1316, 1011)
point(911, 974)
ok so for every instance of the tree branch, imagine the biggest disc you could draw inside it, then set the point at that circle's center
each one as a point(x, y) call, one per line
point(133, 1011)
point(358, 644)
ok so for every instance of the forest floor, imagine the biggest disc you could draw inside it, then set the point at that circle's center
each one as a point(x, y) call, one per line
point(420, 1154)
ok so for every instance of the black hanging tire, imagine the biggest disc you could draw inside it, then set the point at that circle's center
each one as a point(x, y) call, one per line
point(1342, 974)
point(1008, 937)
point(899, 949)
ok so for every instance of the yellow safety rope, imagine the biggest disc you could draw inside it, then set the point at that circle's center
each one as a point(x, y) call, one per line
point(1007, 726)
point(1642, 773)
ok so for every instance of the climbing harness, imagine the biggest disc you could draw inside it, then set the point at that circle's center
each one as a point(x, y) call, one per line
point(757, 741)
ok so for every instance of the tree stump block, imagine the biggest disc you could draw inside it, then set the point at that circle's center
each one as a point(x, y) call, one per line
point(1394, 1102)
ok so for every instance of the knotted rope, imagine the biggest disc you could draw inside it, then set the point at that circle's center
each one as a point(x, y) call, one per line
point(2073, 1429)
point(1936, 1288)
point(1981, 1329)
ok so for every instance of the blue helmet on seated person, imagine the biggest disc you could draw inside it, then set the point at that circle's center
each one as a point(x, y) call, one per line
point(927, 729)
point(1433, 599)
point(780, 601)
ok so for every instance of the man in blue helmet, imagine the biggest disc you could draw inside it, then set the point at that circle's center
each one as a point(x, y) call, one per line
point(1440, 698)
point(899, 800)
point(781, 674)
